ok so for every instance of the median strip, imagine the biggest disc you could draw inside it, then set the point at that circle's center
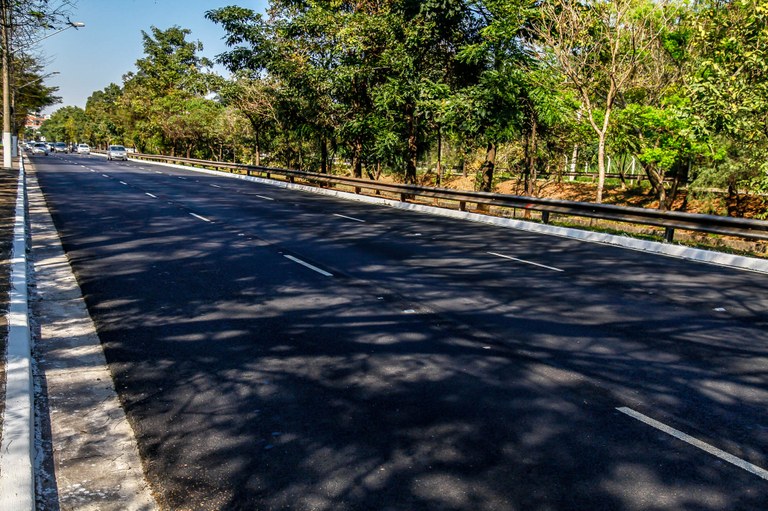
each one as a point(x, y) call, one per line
point(714, 451)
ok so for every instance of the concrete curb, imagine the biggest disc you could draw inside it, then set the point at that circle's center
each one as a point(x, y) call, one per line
point(17, 491)
point(664, 249)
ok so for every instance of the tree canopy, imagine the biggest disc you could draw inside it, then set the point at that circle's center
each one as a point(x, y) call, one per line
point(678, 89)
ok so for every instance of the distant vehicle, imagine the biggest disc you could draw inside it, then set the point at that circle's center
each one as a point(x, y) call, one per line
point(117, 152)
point(83, 149)
point(60, 147)
point(40, 148)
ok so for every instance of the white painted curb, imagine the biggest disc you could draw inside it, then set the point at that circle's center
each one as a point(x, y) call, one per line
point(693, 254)
point(17, 488)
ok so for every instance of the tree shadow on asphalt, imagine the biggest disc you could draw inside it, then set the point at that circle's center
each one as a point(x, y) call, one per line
point(252, 383)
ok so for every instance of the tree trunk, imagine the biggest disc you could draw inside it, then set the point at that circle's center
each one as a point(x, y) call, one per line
point(413, 148)
point(439, 157)
point(258, 150)
point(323, 156)
point(531, 149)
point(357, 159)
point(600, 167)
point(656, 178)
point(488, 167)
point(574, 157)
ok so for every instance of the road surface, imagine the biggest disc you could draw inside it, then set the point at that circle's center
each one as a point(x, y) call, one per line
point(275, 349)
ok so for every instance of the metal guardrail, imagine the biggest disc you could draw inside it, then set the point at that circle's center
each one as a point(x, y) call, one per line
point(669, 220)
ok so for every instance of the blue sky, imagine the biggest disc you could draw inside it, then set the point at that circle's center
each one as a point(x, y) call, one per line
point(90, 58)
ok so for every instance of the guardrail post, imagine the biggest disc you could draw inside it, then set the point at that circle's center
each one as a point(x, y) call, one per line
point(462, 206)
point(669, 234)
point(545, 217)
point(357, 190)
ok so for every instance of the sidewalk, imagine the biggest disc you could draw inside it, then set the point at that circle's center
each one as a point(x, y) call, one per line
point(86, 455)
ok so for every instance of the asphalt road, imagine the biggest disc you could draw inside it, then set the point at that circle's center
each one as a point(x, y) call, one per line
point(282, 350)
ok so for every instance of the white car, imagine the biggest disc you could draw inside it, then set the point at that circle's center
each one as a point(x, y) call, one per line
point(117, 152)
point(40, 148)
point(83, 149)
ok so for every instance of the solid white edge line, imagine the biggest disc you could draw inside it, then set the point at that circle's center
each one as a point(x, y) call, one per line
point(16, 451)
point(349, 218)
point(525, 262)
point(306, 264)
point(201, 218)
point(150, 195)
point(714, 451)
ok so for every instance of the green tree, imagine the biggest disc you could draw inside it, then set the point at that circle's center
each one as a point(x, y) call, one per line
point(171, 74)
point(105, 115)
point(599, 47)
point(67, 124)
point(728, 91)
point(30, 94)
point(256, 99)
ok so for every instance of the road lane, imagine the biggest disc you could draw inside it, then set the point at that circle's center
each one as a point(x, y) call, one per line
point(499, 393)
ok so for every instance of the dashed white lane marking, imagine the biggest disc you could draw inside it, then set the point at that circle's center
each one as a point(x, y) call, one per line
point(306, 264)
point(105, 175)
point(92, 170)
point(158, 172)
point(184, 178)
point(714, 451)
point(525, 262)
point(264, 197)
point(349, 218)
point(215, 186)
point(201, 217)
point(150, 195)
point(123, 183)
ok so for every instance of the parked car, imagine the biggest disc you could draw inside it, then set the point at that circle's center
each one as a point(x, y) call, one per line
point(40, 148)
point(117, 152)
point(83, 149)
point(60, 147)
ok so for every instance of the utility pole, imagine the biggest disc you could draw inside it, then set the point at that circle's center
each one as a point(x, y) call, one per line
point(7, 138)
